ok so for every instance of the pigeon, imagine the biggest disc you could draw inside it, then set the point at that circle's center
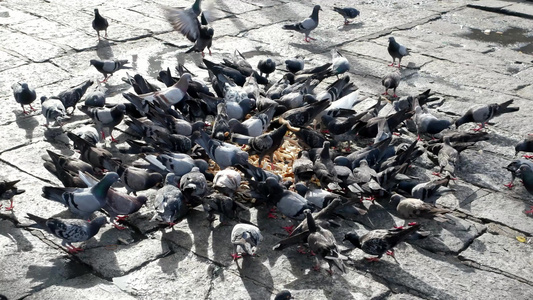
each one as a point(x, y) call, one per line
point(283, 295)
point(254, 126)
point(108, 67)
point(53, 110)
point(227, 181)
point(424, 190)
point(485, 113)
point(391, 81)
point(526, 146)
point(82, 201)
point(302, 167)
point(347, 13)
point(169, 96)
point(140, 84)
point(265, 144)
point(428, 123)
point(266, 66)
point(448, 157)
point(194, 186)
point(95, 98)
point(99, 23)
point(526, 173)
point(245, 239)
point(222, 205)
point(69, 230)
point(224, 154)
point(24, 95)
point(303, 116)
point(322, 242)
point(105, 118)
point(307, 25)
point(121, 204)
point(72, 96)
point(137, 179)
point(58, 167)
point(100, 158)
point(169, 201)
point(381, 241)
point(70, 164)
point(294, 65)
point(409, 208)
point(324, 169)
point(396, 51)
point(287, 202)
point(185, 20)
point(339, 63)
point(8, 190)
point(514, 166)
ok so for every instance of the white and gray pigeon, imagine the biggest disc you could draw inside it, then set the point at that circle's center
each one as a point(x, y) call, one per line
point(245, 239)
point(108, 67)
point(105, 118)
point(169, 96)
point(347, 13)
point(53, 110)
point(483, 114)
point(289, 203)
point(227, 181)
point(391, 81)
point(82, 201)
point(177, 163)
point(69, 230)
point(169, 201)
point(339, 63)
point(24, 95)
point(95, 98)
point(307, 25)
point(224, 154)
point(396, 51)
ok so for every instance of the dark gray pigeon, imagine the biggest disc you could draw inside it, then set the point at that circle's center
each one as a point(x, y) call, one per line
point(224, 154)
point(24, 95)
point(245, 239)
point(53, 110)
point(194, 186)
point(347, 13)
point(95, 98)
point(226, 207)
point(514, 166)
point(108, 67)
point(303, 167)
point(169, 201)
point(121, 204)
point(296, 64)
point(426, 123)
point(105, 118)
point(72, 96)
point(324, 169)
point(287, 202)
point(283, 295)
point(69, 230)
point(391, 81)
point(307, 25)
point(8, 190)
point(137, 179)
point(266, 66)
point(485, 113)
point(526, 146)
point(396, 51)
point(99, 23)
point(101, 159)
point(263, 145)
point(82, 201)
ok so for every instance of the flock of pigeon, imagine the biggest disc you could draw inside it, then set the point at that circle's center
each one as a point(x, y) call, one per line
point(198, 144)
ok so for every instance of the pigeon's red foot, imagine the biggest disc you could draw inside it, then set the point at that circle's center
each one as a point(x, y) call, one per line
point(235, 256)
point(527, 156)
point(397, 133)
point(10, 207)
point(398, 227)
point(391, 65)
point(171, 224)
point(210, 52)
point(371, 198)
point(74, 250)
point(394, 96)
point(412, 223)
point(530, 211)
point(316, 268)
point(272, 216)
point(121, 218)
point(436, 174)
point(118, 226)
point(386, 93)
point(113, 140)
point(391, 253)
point(312, 253)
point(301, 250)
point(289, 229)
point(330, 272)
point(510, 185)
point(372, 259)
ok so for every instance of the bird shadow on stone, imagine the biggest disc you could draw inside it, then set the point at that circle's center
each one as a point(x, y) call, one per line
point(16, 235)
point(199, 227)
point(351, 26)
point(59, 272)
point(28, 123)
point(334, 287)
point(113, 90)
point(376, 217)
point(58, 139)
point(251, 271)
point(103, 50)
point(313, 47)
point(177, 242)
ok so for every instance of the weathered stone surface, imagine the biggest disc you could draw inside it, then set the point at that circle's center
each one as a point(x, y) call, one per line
point(83, 287)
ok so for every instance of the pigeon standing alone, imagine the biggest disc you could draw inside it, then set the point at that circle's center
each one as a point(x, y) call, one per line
point(307, 25)
point(391, 81)
point(397, 51)
point(24, 95)
point(485, 113)
point(8, 190)
point(347, 13)
point(99, 23)
point(108, 67)
point(266, 66)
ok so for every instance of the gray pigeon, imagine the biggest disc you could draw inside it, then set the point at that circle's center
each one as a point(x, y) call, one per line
point(82, 201)
point(186, 20)
point(95, 98)
point(409, 208)
point(169, 201)
point(526, 146)
point(339, 63)
point(266, 66)
point(396, 51)
point(108, 67)
point(121, 204)
point(265, 144)
point(324, 169)
point(194, 186)
point(283, 295)
point(99, 158)
point(347, 13)
point(53, 110)
point(485, 113)
point(69, 230)
point(226, 207)
point(99, 23)
point(137, 179)
point(105, 118)
point(24, 95)
point(307, 25)
point(227, 181)
point(177, 163)
point(514, 166)
point(391, 81)
point(223, 154)
point(72, 96)
point(426, 123)
point(8, 190)
point(289, 203)
point(245, 239)
point(294, 65)
point(448, 157)
point(303, 167)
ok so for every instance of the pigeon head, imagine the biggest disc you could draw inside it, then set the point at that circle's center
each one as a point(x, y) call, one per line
point(99, 222)
point(43, 98)
point(353, 238)
point(395, 199)
point(142, 199)
point(391, 39)
point(96, 12)
point(301, 189)
point(172, 179)
point(241, 158)
point(283, 295)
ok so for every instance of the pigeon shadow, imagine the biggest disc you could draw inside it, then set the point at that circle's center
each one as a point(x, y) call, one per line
point(103, 50)
point(334, 287)
point(28, 123)
point(251, 271)
point(16, 235)
point(350, 26)
point(179, 244)
point(198, 225)
point(61, 270)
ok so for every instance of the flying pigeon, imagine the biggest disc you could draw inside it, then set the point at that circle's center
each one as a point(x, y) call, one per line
point(69, 230)
point(245, 239)
point(307, 25)
point(485, 113)
point(53, 110)
point(8, 190)
point(391, 81)
point(186, 22)
point(396, 51)
point(24, 95)
point(99, 23)
point(347, 13)
point(108, 67)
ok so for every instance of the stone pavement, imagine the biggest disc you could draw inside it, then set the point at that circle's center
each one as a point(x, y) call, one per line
point(455, 52)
